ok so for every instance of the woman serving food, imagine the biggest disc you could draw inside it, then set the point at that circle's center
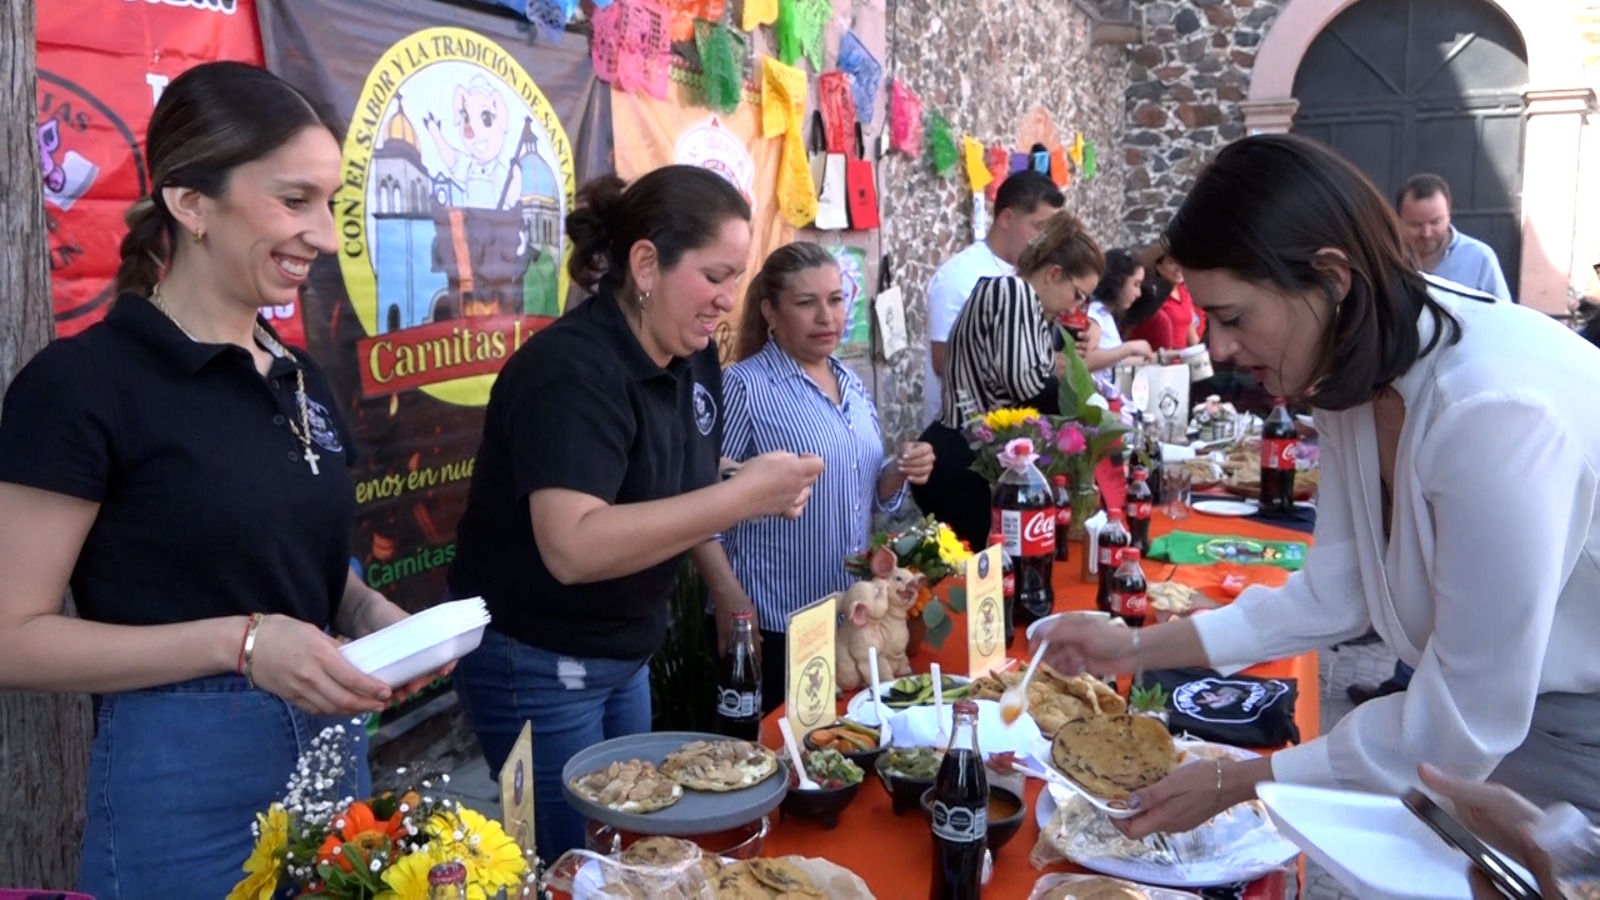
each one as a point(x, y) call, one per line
point(1458, 505)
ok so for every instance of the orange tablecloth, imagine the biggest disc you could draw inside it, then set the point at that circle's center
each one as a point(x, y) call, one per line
point(895, 854)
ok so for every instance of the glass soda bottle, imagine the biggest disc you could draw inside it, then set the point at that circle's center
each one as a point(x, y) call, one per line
point(1025, 507)
point(448, 881)
point(1280, 444)
point(739, 682)
point(1141, 501)
point(960, 812)
point(1129, 592)
point(1113, 539)
point(1063, 517)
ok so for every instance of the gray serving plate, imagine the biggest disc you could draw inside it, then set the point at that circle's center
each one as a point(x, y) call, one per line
point(696, 812)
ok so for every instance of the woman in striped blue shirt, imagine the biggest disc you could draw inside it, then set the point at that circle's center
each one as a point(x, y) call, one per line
point(788, 391)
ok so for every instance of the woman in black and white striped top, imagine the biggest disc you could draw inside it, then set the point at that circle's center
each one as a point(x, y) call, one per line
point(1001, 353)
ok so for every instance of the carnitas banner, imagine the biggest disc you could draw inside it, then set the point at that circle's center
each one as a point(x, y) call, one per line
point(466, 139)
point(102, 65)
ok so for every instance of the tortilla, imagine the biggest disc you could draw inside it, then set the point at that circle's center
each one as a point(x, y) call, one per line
point(720, 766)
point(631, 786)
point(1113, 756)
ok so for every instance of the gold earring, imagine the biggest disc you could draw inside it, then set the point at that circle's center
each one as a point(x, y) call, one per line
point(199, 235)
point(644, 299)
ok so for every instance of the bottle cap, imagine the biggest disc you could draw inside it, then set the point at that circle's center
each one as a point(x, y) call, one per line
point(1141, 474)
point(966, 708)
point(453, 872)
point(1058, 480)
point(1131, 554)
point(744, 615)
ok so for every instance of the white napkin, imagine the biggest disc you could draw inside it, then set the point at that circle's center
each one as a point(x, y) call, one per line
point(919, 727)
point(1176, 453)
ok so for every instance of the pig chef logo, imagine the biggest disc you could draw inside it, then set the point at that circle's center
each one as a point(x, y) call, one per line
point(458, 177)
point(1227, 701)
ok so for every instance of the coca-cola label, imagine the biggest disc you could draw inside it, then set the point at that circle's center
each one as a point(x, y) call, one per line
point(1139, 509)
point(1077, 320)
point(960, 824)
point(1278, 453)
point(1008, 584)
point(1129, 603)
point(1063, 518)
point(1028, 532)
point(734, 704)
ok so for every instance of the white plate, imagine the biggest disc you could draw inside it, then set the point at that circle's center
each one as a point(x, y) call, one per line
point(428, 659)
point(1230, 508)
point(1371, 843)
point(860, 709)
point(421, 643)
point(1243, 845)
point(1088, 614)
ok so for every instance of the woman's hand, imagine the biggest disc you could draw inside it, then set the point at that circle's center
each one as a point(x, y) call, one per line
point(1089, 340)
point(1137, 351)
point(1192, 794)
point(363, 611)
point(1080, 645)
point(302, 664)
point(779, 483)
point(915, 461)
point(1498, 816)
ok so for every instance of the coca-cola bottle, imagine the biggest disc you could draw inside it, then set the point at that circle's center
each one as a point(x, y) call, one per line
point(960, 812)
point(1113, 538)
point(1280, 444)
point(1063, 517)
point(1129, 598)
point(1076, 322)
point(739, 682)
point(1008, 585)
point(1026, 511)
point(1140, 503)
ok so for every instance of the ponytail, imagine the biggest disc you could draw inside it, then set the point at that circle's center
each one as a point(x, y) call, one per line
point(145, 247)
point(752, 324)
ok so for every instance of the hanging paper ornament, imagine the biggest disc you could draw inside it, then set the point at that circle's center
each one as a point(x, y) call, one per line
point(783, 109)
point(838, 107)
point(941, 145)
point(757, 13)
point(1020, 162)
point(1091, 160)
point(999, 162)
point(686, 12)
point(631, 46)
point(719, 61)
point(866, 74)
point(814, 16)
point(550, 17)
point(905, 120)
point(1039, 159)
point(1077, 151)
point(977, 171)
point(788, 31)
point(1060, 172)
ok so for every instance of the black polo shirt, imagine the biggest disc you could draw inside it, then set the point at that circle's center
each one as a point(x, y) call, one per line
point(582, 407)
point(207, 506)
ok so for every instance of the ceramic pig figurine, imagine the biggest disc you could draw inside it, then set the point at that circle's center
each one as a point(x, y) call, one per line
point(904, 586)
point(865, 607)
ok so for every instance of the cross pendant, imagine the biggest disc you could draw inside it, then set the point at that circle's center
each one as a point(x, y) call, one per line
point(311, 460)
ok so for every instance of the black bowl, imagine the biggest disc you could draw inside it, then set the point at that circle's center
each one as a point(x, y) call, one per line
point(824, 804)
point(903, 791)
point(1001, 831)
point(863, 758)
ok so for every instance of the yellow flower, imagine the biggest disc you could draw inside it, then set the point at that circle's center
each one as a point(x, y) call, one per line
point(493, 859)
point(407, 878)
point(1009, 417)
point(261, 869)
point(951, 550)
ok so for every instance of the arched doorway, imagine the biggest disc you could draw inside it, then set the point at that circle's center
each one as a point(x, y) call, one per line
point(1406, 86)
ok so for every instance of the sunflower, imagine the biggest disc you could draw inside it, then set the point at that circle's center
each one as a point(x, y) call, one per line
point(261, 869)
point(493, 859)
point(357, 829)
point(952, 549)
point(1009, 417)
point(407, 878)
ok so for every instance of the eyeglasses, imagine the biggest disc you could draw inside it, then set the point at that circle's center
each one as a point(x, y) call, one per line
point(1079, 295)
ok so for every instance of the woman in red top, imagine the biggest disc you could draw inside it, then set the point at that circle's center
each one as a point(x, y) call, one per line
point(1177, 323)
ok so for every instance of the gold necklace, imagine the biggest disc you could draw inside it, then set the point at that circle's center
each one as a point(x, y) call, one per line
point(302, 432)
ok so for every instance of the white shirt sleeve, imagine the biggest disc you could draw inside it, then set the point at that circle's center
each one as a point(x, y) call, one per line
point(947, 293)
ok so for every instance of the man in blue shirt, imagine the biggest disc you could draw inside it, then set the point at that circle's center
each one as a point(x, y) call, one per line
point(1424, 206)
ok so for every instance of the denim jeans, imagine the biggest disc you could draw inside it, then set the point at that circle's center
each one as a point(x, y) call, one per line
point(176, 776)
point(1402, 674)
point(573, 705)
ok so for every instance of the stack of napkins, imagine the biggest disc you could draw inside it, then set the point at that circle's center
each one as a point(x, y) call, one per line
point(422, 643)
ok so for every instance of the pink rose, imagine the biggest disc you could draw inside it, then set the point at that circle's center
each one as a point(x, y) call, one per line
point(1070, 440)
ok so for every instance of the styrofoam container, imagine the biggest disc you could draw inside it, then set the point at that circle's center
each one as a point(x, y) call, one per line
point(421, 643)
point(1373, 844)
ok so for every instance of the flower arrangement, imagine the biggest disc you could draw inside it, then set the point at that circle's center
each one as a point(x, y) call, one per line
point(932, 550)
point(322, 845)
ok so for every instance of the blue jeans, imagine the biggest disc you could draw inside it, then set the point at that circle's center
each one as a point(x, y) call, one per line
point(176, 776)
point(573, 705)
point(1402, 674)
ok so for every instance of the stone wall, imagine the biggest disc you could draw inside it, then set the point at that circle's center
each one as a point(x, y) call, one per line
point(1186, 82)
point(984, 64)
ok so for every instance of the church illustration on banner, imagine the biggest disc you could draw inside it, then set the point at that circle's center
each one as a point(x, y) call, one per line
point(478, 235)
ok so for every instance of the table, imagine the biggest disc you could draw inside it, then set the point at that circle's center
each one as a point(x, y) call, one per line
point(894, 855)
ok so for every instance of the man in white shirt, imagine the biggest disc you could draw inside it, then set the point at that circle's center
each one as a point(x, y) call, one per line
point(1022, 204)
point(1424, 206)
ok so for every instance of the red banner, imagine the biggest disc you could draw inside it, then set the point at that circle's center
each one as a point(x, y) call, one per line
point(102, 65)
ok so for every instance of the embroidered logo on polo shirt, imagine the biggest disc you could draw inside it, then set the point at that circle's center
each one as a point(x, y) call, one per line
point(1227, 701)
point(705, 410)
point(322, 430)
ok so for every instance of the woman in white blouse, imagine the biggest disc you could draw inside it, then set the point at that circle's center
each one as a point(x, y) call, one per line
point(1458, 506)
point(1120, 285)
